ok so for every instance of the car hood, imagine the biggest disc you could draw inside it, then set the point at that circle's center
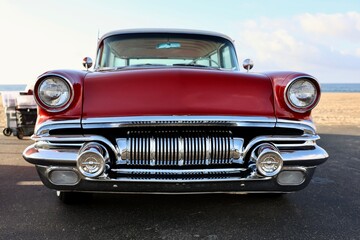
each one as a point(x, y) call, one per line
point(176, 91)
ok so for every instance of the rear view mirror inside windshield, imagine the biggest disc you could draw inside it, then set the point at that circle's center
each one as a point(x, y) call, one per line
point(168, 45)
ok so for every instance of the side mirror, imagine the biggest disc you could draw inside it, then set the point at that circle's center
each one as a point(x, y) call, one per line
point(87, 62)
point(248, 64)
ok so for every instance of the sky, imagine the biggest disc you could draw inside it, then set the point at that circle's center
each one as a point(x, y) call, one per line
point(321, 38)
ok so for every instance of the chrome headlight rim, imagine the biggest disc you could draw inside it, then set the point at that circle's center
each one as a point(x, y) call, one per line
point(315, 101)
point(48, 107)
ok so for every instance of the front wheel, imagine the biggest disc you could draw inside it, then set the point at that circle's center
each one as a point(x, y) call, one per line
point(7, 132)
point(73, 197)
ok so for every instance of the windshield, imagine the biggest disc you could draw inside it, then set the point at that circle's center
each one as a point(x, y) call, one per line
point(170, 50)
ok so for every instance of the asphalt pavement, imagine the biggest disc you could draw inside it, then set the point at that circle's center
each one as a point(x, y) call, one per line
point(329, 208)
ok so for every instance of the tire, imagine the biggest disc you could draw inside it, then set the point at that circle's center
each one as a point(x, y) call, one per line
point(70, 198)
point(7, 132)
point(20, 133)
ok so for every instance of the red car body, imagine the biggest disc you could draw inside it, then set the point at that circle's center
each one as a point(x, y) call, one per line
point(208, 128)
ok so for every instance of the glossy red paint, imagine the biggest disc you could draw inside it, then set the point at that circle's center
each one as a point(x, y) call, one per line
point(280, 81)
point(74, 111)
point(176, 91)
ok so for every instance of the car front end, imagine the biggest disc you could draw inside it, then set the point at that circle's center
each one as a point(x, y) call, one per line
point(147, 122)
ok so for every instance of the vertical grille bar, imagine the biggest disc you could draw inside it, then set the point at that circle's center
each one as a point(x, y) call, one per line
point(212, 150)
point(176, 150)
point(162, 150)
point(142, 151)
point(221, 159)
point(156, 150)
point(131, 150)
point(136, 147)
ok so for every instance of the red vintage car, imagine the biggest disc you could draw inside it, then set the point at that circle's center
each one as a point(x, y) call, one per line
point(170, 111)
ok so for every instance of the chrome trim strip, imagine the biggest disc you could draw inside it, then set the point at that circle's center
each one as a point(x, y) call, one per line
point(52, 157)
point(66, 138)
point(309, 143)
point(116, 122)
point(187, 193)
point(306, 125)
point(253, 177)
point(50, 145)
point(156, 180)
point(303, 155)
point(274, 138)
point(179, 180)
point(44, 128)
point(77, 139)
point(189, 172)
point(112, 122)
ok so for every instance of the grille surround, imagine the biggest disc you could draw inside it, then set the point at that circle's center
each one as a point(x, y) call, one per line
point(179, 148)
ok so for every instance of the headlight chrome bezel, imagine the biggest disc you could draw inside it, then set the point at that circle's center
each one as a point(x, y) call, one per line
point(315, 100)
point(54, 108)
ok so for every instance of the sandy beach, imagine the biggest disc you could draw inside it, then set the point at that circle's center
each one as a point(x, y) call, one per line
point(334, 109)
point(338, 109)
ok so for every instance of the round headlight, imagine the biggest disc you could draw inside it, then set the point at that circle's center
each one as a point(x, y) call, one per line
point(301, 95)
point(54, 93)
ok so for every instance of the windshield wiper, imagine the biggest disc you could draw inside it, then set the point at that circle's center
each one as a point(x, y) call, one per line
point(147, 65)
point(131, 66)
point(156, 65)
point(193, 65)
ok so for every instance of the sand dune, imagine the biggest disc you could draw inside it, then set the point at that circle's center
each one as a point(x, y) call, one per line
point(333, 109)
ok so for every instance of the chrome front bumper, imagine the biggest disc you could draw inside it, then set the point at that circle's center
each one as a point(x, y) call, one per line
point(59, 154)
point(241, 185)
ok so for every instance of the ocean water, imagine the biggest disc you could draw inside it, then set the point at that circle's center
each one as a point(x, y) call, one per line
point(325, 87)
point(12, 87)
point(340, 87)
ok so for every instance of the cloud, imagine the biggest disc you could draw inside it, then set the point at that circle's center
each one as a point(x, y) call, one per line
point(346, 25)
point(35, 45)
point(316, 43)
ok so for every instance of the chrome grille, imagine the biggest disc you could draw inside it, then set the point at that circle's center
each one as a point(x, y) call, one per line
point(179, 148)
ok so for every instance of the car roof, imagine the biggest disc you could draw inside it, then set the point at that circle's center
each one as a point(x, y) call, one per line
point(165, 30)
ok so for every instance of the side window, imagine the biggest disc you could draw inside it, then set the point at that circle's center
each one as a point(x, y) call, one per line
point(111, 60)
point(98, 57)
point(119, 62)
point(214, 59)
point(115, 61)
point(226, 58)
point(204, 62)
point(104, 56)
